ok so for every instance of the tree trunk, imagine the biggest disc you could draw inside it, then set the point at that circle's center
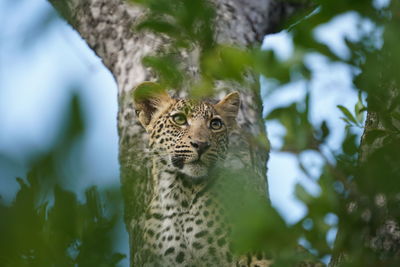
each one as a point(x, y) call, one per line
point(108, 28)
point(373, 209)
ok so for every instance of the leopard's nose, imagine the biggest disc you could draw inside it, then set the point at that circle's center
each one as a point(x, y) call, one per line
point(201, 147)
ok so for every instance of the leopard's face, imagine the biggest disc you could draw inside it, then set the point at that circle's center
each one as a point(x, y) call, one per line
point(191, 136)
point(187, 135)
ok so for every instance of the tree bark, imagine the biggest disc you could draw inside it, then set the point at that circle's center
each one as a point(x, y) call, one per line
point(108, 28)
point(375, 198)
point(383, 153)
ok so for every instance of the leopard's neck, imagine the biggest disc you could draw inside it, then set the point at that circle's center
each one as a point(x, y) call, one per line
point(172, 189)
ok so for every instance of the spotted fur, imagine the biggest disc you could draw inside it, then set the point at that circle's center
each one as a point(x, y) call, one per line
point(185, 224)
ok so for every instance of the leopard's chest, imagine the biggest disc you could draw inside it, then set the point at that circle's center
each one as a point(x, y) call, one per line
point(178, 233)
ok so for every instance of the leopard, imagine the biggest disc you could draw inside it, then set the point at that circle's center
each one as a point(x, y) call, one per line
point(188, 140)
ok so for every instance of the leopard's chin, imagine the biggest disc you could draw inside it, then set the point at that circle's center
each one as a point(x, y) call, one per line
point(196, 169)
point(193, 168)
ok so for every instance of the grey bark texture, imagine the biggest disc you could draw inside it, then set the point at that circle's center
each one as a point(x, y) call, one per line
point(108, 28)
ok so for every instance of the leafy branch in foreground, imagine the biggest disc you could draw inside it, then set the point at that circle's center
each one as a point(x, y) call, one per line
point(47, 225)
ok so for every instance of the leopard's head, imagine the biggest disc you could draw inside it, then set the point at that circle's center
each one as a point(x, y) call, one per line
point(188, 135)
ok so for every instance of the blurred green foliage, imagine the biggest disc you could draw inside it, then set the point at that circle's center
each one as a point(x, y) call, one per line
point(359, 186)
point(47, 225)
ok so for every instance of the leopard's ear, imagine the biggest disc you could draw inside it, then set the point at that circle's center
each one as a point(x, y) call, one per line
point(149, 98)
point(229, 106)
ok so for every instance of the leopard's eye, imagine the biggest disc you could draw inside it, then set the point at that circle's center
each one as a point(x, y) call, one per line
point(216, 124)
point(179, 119)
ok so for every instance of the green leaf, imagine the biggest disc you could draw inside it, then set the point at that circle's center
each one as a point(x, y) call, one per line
point(167, 69)
point(347, 114)
point(226, 62)
point(302, 194)
point(346, 120)
point(396, 115)
point(324, 130)
point(372, 135)
point(359, 109)
point(158, 25)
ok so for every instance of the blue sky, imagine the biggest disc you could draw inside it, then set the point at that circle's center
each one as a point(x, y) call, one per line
point(38, 70)
point(37, 77)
